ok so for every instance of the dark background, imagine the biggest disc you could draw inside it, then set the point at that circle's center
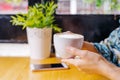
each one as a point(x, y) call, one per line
point(94, 27)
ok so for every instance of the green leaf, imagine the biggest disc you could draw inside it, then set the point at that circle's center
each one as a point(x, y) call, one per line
point(88, 1)
point(38, 16)
point(99, 3)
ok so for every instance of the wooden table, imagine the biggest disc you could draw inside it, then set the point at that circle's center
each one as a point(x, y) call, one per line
point(17, 68)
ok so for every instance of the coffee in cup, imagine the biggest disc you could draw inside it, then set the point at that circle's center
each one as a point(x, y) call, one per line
point(65, 39)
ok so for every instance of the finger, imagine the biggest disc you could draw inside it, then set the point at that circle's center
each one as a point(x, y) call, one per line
point(77, 52)
point(69, 61)
point(75, 62)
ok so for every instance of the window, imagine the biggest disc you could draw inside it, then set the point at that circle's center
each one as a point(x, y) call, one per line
point(13, 6)
point(88, 7)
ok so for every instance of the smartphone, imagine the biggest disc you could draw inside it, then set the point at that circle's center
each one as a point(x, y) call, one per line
point(53, 66)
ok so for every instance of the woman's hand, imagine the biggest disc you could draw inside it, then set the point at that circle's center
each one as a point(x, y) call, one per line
point(91, 62)
point(88, 61)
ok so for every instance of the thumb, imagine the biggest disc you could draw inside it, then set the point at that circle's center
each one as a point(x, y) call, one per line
point(77, 52)
point(75, 62)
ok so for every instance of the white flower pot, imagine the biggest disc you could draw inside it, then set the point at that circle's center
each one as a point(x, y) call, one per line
point(39, 41)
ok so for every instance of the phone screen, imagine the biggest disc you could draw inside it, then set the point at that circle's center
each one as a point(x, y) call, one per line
point(54, 66)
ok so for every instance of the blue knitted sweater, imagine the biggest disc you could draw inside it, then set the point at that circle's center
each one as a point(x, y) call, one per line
point(110, 47)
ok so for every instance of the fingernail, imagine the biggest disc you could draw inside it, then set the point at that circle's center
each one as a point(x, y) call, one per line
point(63, 60)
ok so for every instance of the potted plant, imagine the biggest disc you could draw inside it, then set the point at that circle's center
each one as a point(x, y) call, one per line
point(39, 22)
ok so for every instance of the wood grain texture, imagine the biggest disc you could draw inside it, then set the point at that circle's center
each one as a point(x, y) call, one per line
point(17, 68)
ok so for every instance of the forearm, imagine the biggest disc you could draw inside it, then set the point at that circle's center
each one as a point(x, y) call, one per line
point(115, 75)
point(111, 71)
point(89, 46)
point(106, 68)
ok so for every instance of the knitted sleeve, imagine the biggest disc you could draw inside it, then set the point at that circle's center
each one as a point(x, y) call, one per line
point(110, 47)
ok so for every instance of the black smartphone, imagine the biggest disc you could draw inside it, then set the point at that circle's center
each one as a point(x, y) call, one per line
point(53, 66)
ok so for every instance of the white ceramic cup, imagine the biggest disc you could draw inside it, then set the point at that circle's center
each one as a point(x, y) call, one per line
point(63, 40)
